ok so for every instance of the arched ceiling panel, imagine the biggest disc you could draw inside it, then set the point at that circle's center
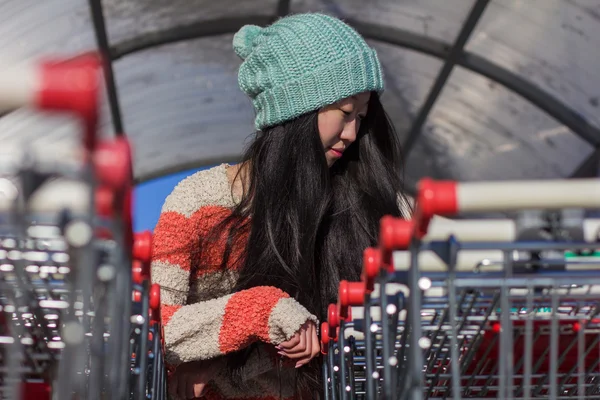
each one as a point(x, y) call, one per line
point(555, 44)
point(181, 105)
point(409, 76)
point(34, 30)
point(432, 18)
point(131, 18)
point(480, 131)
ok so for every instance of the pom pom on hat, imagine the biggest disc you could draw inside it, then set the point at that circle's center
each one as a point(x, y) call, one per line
point(243, 41)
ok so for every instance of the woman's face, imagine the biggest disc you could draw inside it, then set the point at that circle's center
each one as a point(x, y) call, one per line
point(339, 124)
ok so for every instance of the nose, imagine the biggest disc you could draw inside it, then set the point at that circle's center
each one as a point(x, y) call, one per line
point(350, 131)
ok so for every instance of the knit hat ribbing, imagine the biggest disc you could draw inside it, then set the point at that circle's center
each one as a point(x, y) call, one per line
point(302, 63)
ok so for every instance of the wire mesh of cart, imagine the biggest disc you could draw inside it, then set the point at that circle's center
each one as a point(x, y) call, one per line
point(76, 320)
point(499, 308)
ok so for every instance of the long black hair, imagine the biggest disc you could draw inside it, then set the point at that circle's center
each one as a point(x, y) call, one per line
point(307, 224)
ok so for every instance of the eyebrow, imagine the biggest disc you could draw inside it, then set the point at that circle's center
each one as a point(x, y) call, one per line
point(360, 106)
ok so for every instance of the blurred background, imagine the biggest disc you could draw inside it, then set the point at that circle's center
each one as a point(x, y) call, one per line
point(478, 90)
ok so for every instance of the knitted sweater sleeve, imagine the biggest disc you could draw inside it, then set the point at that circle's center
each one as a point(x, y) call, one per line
point(225, 323)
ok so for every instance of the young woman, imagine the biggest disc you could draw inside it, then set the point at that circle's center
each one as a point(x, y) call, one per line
point(249, 256)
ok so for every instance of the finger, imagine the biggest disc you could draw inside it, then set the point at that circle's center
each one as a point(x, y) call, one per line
point(300, 347)
point(293, 342)
point(310, 334)
point(316, 344)
point(199, 389)
point(299, 351)
point(295, 357)
point(303, 361)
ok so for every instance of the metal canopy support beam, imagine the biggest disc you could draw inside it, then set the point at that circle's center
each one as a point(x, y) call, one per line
point(590, 167)
point(545, 101)
point(195, 30)
point(104, 48)
point(455, 52)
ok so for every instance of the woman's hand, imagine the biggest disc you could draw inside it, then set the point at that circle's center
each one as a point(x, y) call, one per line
point(190, 379)
point(303, 347)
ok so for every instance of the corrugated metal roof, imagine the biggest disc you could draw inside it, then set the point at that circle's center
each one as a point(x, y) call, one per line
point(181, 105)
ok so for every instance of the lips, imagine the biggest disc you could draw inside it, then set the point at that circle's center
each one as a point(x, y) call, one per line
point(337, 152)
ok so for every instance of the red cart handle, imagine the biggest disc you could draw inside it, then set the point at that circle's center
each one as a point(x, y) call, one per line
point(324, 337)
point(71, 85)
point(371, 266)
point(154, 303)
point(350, 294)
point(113, 163)
point(448, 198)
point(142, 246)
point(395, 233)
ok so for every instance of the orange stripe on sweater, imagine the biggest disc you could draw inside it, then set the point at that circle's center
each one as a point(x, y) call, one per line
point(173, 240)
point(177, 239)
point(246, 317)
point(167, 311)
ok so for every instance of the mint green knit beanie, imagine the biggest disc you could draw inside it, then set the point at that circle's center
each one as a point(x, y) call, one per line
point(301, 63)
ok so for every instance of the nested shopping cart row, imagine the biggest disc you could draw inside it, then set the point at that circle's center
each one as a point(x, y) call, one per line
point(474, 308)
point(78, 315)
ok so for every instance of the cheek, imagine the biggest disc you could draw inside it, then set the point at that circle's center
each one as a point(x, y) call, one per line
point(329, 128)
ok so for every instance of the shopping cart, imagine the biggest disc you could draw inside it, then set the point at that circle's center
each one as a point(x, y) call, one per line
point(76, 321)
point(147, 345)
point(475, 308)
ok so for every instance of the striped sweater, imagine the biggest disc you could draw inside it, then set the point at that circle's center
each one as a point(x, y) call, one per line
point(202, 318)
